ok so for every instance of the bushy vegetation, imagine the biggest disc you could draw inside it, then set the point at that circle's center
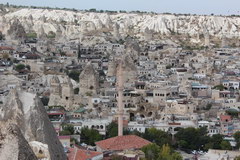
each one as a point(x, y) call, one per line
point(168, 66)
point(219, 87)
point(162, 146)
point(208, 106)
point(74, 74)
point(32, 35)
point(233, 113)
point(237, 138)
point(90, 136)
point(157, 136)
point(67, 129)
point(51, 35)
point(19, 67)
point(154, 152)
point(76, 90)
point(112, 130)
point(2, 36)
point(195, 139)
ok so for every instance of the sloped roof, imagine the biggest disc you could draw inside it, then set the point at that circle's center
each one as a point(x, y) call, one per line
point(123, 143)
point(5, 48)
point(82, 154)
point(225, 118)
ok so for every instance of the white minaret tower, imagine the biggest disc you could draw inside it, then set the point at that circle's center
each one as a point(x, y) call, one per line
point(120, 98)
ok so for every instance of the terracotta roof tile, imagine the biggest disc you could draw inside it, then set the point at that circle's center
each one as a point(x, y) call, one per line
point(63, 137)
point(225, 118)
point(122, 143)
point(5, 48)
point(81, 154)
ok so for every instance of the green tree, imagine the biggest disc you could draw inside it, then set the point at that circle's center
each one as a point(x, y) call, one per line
point(225, 145)
point(90, 136)
point(32, 35)
point(64, 133)
point(237, 138)
point(176, 156)
point(134, 132)
point(168, 67)
point(182, 144)
point(67, 129)
point(167, 154)
point(76, 90)
point(157, 136)
point(155, 152)
point(151, 151)
point(208, 107)
point(74, 75)
point(92, 10)
point(237, 158)
point(219, 87)
point(2, 37)
point(112, 130)
point(192, 138)
point(19, 67)
point(233, 113)
point(216, 141)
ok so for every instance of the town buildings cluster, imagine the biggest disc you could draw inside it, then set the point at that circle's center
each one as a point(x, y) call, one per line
point(165, 86)
point(157, 84)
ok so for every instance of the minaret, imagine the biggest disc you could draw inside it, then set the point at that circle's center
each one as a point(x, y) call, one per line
point(120, 98)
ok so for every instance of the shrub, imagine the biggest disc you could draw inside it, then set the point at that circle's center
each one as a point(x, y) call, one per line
point(32, 35)
point(20, 67)
point(51, 34)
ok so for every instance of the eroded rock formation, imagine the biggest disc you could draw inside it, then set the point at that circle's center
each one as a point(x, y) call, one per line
point(26, 111)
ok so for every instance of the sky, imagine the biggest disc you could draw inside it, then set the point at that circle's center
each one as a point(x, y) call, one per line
point(217, 7)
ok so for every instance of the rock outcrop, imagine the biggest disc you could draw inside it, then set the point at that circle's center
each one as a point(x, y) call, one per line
point(70, 23)
point(13, 146)
point(61, 94)
point(88, 81)
point(27, 112)
point(16, 30)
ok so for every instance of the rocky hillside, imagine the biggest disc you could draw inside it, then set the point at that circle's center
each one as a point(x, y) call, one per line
point(26, 111)
point(13, 146)
point(75, 24)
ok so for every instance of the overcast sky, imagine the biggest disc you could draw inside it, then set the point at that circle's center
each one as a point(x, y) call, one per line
point(224, 7)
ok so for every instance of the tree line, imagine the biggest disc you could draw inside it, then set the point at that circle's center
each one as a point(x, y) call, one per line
point(163, 144)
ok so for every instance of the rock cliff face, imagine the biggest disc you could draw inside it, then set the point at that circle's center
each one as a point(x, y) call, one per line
point(89, 81)
point(16, 30)
point(61, 93)
point(73, 24)
point(13, 146)
point(27, 112)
